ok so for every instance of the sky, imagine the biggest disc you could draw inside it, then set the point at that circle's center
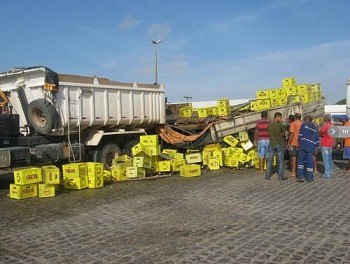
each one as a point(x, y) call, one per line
point(210, 49)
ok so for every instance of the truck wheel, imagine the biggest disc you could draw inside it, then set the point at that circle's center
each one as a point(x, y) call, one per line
point(128, 146)
point(107, 153)
point(41, 115)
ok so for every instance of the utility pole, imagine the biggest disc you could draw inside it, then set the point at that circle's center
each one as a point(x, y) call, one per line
point(155, 43)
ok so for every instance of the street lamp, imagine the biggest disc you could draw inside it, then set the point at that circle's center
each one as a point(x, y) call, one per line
point(155, 43)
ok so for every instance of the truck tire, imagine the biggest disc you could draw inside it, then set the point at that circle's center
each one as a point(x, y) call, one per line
point(128, 146)
point(41, 115)
point(106, 154)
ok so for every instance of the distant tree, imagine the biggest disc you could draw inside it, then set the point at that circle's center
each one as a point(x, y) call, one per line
point(341, 102)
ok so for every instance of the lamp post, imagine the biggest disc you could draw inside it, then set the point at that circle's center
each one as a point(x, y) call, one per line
point(155, 43)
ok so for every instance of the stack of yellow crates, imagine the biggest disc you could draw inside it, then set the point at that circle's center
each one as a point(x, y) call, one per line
point(223, 106)
point(119, 166)
point(51, 180)
point(95, 175)
point(26, 183)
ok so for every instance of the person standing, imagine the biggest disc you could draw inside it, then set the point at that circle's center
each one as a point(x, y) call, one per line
point(346, 151)
point(293, 143)
point(308, 142)
point(277, 146)
point(262, 139)
point(326, 147)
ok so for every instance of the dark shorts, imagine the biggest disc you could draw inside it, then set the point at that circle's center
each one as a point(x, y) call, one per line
point(293, 151)
point(346, 153)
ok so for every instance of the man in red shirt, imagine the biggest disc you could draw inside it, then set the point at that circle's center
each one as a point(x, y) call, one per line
point(262, 139)
point(293, 143)
point(326, 144)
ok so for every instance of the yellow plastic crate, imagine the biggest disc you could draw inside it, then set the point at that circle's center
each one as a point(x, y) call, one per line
point(47, 190)
point(206, 155)
point(231, 161)
point(203, 112)
point(163, 166)
point(282, 93)
point(142, 162)
point(288, 82)
point(212, 147)
point(282, 102)
point(231, 140)
point(170, 152)
point(155, 160)
point(243, 136)
point(294, 99)
point(218, 154)
point(51, 175)
point(192, 170)
point(253, 105)
point(94, 168)
point(149, 140)
point(263, 94)
point(244, 158)
point(263, 104)
point(71, 170)
point(119, 174)
point(76, 183)
point(176, 164)
point(121, 161)
point(107, 175)
point(28, 176)
point(23, 191)
point(186, 111)
point(135, 172)
point(214, 111)
point(193, 157)
point(95, 181)
point(274, 102)
point(305, 98)
point(179, 156)
point(223, 103)
point(153, 150)
point(291, 90)
point(140, 150)
point(224, 111)
point(236, 150)
point(214, 163)
point(303, 89)
point(253, 153)
point(274, 94)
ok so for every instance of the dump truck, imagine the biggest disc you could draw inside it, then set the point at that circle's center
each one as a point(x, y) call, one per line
point(46, 116)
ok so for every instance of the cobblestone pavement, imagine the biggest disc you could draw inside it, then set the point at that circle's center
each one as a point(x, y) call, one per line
point(226, 216)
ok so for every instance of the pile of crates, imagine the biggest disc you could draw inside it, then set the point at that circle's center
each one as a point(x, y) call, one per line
point(35, 181)
point(290, 92)
point(223, 108)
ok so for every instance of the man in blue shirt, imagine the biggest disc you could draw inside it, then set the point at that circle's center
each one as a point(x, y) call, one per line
point(308, 142)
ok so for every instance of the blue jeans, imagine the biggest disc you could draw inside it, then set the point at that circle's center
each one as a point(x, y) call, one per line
point(305, 157)
point(327, 161)
point(279, 150)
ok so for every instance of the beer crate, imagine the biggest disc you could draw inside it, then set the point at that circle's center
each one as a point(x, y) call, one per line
point(23, 191)
point(179, 156)
point(263, 104)
point(28, 176)
point(193, 157)
point(163, 166)
point(288, 82)
point(231, 140)
point(303, 89)
point(214, 163)
point(253, 105)
point(282, 102)
point(291, 90)
point(203, 112)
point(135, 172)
point(170, 152)
point(212, 147)
point(51, 175)
point(176, 164)
point(206, 155)
point(274, 94)
point(244, 158)
point(149, 140)
point(107, 175)
point(121, 161)
point(305, 98)
point(294, 99)
point(243, 136)
point(247, 145)
point(47, 190)
point(282, 93)
point(191, 170)
point(218, 154)
point(71, 170)
point(142, 162)
point(141, 151)
point(223, 103)
point(119, 174)
point(75, 183)
point(94, 168)
point(95, 181)
point(263, 94)
point(186, 111)
point(274, 102)
point(214, 111)
point(224, 111)
point(236, 150)
point(253, 153)
point(231, 161)
point(153, 150)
